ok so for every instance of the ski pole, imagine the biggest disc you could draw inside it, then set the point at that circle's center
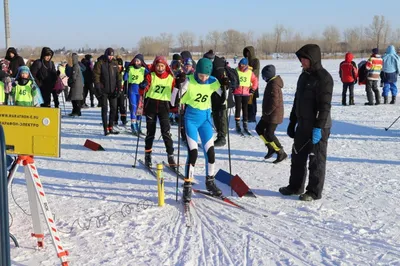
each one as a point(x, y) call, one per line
point(387, 128)
point(179, 140)
point(138, 134)
point(302, 147)
point(229, 145)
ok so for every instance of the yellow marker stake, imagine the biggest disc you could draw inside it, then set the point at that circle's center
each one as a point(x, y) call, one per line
point(160, 185)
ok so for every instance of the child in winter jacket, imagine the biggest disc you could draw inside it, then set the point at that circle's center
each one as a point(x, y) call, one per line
point(135, 74)
point(272, 113)
point(248, 84)
point(390, 71)
point(159, 84)
point(348, 73)
point(24, 88)
point(374, 67)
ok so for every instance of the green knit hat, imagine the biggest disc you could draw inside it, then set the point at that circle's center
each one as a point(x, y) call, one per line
point(204, 66)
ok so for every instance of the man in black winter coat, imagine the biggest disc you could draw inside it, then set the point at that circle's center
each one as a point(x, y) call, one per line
point(108, 85)
point(310, 124)
point(88, 78)
point(45, 74)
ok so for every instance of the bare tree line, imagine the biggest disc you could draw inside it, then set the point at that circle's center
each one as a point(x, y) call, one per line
point(281, 40)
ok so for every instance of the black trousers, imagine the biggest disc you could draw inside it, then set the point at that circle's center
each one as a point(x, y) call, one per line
point(157, 109)
point(88, 89)
point(46, 94)
point(304, 150)
point(350, 87)
point(105, 100)
point(220, 121)
point(121, 108)
point(253, 109)
point(372, 86)
point(267, 130)
point(76, 107)
point(241, 104)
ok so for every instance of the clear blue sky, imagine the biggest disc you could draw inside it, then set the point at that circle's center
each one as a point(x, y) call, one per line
point(102, 23)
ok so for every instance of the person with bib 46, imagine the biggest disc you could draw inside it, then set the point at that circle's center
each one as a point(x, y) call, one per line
point(248, 84)
point(24, 88)
point(196, 91)
point(158, 85)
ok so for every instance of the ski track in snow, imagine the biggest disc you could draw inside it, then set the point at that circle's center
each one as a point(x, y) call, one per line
point(355, 223)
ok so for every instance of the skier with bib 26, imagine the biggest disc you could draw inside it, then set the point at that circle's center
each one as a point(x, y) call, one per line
point(197, 90)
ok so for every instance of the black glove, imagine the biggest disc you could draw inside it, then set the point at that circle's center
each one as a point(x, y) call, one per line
point(291, 130)
point(355, 81)
point(143, 85)
point(225, 82)
point(252, 91)
point(180, 78)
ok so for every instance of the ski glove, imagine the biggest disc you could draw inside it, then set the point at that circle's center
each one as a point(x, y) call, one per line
point(143, 85)
point(316, 135)
point(291, 130)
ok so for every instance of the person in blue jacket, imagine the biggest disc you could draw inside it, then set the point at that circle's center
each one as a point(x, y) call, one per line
point(390, 71)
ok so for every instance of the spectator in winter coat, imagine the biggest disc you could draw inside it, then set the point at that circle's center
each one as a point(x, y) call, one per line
point(122, 96)
point(76, 83)
point(254, 64)
point(15, 61)
point(310, 125)
point(159, 84)
point(107, 82)
point(348, 74)
point(87, 61)
point(374, 67)
point(390, 70)
point(45, 74)
point(248, 85)
point(272, 113)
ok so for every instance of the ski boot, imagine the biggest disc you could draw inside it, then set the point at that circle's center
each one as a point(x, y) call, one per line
point(187, 191)
point(281, 156)
point(171, 162)
point(220, 141)
point(288, 191)
point(112, 131)
point(393, 101)
point(238, 129)
point(147, 159)
point(212, 187)
point(385, 99)
point(134, 128)
point(270, 152)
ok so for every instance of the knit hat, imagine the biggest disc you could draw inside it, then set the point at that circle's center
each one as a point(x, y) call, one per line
point(244, 62)
point(210, 55)
point(177, 57)
point(375, 51)
point(109, 52)
point(188, 62)
point(204, 66)
point(23, 69)
point(268, 72)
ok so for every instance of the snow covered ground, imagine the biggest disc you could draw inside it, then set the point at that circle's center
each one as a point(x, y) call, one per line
point(355, 223)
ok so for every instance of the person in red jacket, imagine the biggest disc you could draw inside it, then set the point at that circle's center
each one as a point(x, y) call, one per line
point(158, 86)
point(348, 73)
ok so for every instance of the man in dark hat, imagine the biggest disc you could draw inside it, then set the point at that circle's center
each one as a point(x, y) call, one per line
point(108, 85)
point(310, 126)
